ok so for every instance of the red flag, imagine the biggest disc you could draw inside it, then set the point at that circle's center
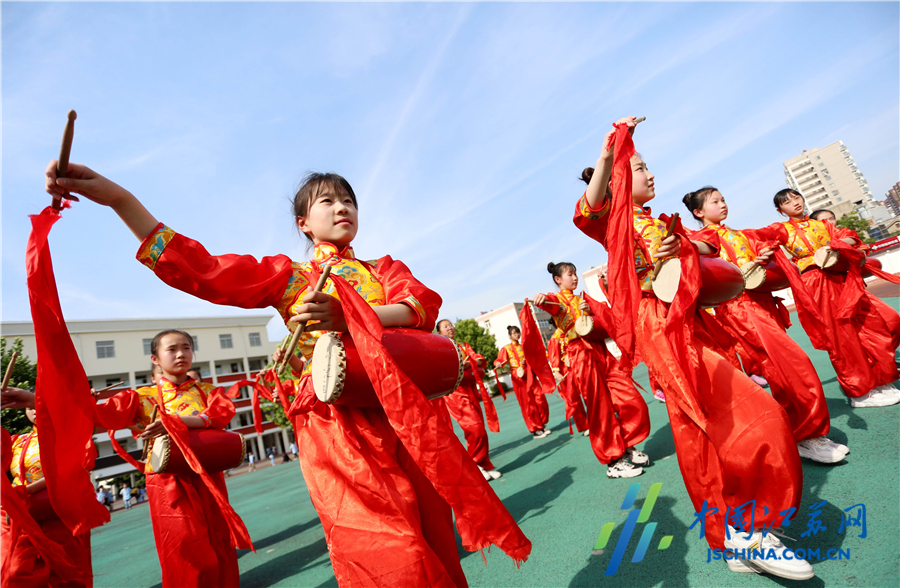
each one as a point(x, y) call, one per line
point(807, 309)
point(490, 411)
point(534, 350)
point(63, 401)
point(500, 385)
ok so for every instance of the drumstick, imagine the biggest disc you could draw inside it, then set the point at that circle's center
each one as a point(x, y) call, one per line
point(62, 165)
point(639, 120)
point(97, 393)
point(669, 230)
point(544, 302)
point(289, 351)
point(9, 370)
point(148, 443)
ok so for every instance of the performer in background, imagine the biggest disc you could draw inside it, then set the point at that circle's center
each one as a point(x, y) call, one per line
point(380, 486)
point(734, 443)
point(759, 323)
point(558, 356)
point(618, 418)
point(863, 331)
point(533, 404)
point(463, 405)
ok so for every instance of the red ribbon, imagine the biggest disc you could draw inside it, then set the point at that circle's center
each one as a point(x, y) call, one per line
point(500, 385)
point(490, 411)
point(534, 350)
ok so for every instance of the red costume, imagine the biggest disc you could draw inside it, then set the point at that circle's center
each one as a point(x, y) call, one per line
point(535, 410)
point(189, 526)
point(758, 322)
point(616, 412)
point(463, 405)
point(557, 354)
point(863, 330)
point(23, 563)
point(733, 440)
point(374, 479)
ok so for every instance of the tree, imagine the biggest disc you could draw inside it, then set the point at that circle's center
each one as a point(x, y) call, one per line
point(854, 223)
point(273, 411)
point(23, 376)
point(468, 331)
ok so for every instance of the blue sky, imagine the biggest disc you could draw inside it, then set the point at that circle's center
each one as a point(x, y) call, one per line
point(463, 127)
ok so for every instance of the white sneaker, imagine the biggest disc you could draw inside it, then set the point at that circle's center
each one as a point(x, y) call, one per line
point(541, 433)
point(548, 431)
point(494, 474)
point(821, 450)
point(586, 433)
point(759, 381)
point(839, 446)
point(659, 395)
point(888, 389)
point(874, 398)
point(637, 457)
point(770, 555)
point(485, 473)
point(740, 566)
point(621, 468)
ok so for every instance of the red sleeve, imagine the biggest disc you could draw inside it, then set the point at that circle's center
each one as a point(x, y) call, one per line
point(400, 287)
point(233, 280)
point(774, 232)
point(119, 411)
point(708, 236)
point(848, 234)
point(219, 409)
point(551, 309)
point(502, 357)
point(553, 354)
point(593, 222)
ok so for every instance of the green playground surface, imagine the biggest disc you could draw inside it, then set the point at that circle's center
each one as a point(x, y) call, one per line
point(560, 496)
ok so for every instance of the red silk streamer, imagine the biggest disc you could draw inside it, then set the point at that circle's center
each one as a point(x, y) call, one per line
point(138, 465)
point(258, 388)
point(15, 503)
point(880, 273)
point(490, 411)
point(178, 433)
point(854, 288)
point(63, 401)
point(500, 386)
point(602, 315)
point(534, 350)
point(807, 309)
point(481, 518)
point(624, 293)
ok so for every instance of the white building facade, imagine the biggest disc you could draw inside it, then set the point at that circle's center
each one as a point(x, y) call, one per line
point(829, 178)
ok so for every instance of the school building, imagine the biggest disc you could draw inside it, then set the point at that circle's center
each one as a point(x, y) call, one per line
point(828, 178)
point(226, 349)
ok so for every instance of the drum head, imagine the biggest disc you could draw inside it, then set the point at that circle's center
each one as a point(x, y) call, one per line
point(666, 283)
point(520, 372)
point(825, 257)
point(584, 325)
point(159, 455)
point(754, 275)
point(329, 361)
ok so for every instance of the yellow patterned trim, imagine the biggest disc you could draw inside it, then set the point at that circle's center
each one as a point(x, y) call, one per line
point(154, 245)
point(416, 306)
point(585, 210)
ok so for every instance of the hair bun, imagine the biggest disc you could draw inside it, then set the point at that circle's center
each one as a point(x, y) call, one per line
point(587, 174)
point(551, 267)
point(687, 199)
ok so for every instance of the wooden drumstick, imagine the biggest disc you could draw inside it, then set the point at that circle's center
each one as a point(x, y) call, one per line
point(669, 230)
point(62, 165)
point(148, 443)
point(544, 302)
point(639, 120)
point(289, 350)
point(9, 370)
point(96, 393)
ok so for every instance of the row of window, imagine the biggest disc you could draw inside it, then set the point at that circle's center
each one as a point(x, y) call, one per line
point(108, 348)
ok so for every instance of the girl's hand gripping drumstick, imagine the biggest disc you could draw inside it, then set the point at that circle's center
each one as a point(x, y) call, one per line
point(64, 152)
point(670, 230)
point(292, 345)
point(9, 370)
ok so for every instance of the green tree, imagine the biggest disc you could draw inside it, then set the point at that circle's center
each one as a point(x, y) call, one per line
point(854, 223)
point(23, 376)
point(273, 411)
point(468, 331)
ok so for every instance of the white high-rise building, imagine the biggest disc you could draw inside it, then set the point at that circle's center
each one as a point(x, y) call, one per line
point(828, 177)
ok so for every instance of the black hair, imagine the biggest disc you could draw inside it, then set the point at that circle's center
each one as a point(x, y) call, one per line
point(557, 269)
point(199, 373)
point(154, 344)
point(695, 200)
point(437, 325)
point(309, 189)
point(820, 212)
point(512, 328)
point(586, 175)
point(782, 196)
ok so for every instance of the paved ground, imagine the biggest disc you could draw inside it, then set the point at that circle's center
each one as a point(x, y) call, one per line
point(561, 497)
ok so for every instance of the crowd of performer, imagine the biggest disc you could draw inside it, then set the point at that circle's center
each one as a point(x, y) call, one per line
point(393, 474)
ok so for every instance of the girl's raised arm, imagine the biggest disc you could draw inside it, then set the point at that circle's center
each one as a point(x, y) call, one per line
point(596, 190)
point(85, 181)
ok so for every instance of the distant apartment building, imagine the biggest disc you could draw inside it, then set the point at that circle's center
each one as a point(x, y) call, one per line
point(892, 199)
point(226, 350)
point(828, 177)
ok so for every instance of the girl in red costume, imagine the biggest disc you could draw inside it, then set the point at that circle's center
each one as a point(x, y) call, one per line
point(374, 478)
point(759, 325)
point(535, 410)
point(734, 443)
point(864, 331)
point(462, 404)
point(618, 418)
point(23, 563)
point(558, 357)
point(191, 530)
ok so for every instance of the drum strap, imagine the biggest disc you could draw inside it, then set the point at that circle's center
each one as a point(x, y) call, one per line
point(799, 231)
point(23, 480)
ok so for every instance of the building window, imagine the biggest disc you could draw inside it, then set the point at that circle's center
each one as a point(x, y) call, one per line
point(225, 341)
point(196, 343)
point(831, 185)
point(817, 157)
point(106, 349)
point(821, 165)
point(147, 350)
point(234, 368)
point(255, 340)
point(836, 192)
point(827, 177)
point(111, 381)
point(860, 182)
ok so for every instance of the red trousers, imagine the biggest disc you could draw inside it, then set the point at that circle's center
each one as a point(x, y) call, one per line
point(754, 321)
point(534, 407)
point(463, 406)
point(864, 344)
point(572, 397)
point(191, 534)
point(28, 570)
point(617, 414)
point(384, 523)
point(733, 440)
